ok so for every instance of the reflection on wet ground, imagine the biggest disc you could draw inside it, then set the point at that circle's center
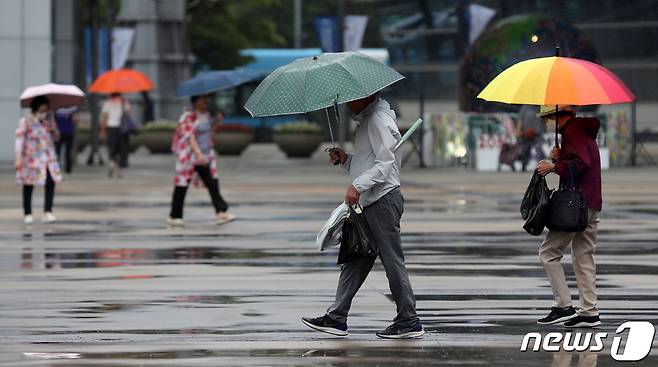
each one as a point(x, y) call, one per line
point(111, 285)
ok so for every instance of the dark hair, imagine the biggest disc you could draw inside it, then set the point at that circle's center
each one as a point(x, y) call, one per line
point(37, 102)
point(115, 95)
point(194, 98)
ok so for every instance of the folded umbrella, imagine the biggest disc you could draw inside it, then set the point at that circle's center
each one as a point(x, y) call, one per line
point(212, 81)
point(59, 95)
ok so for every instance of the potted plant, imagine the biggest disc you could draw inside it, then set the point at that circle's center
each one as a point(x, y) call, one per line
point(233, 139)
point(82, 136)
point(136, 141)
point(298, 139)
point(156, 136)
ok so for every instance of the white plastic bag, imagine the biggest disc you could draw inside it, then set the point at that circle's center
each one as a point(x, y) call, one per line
point(330, 235)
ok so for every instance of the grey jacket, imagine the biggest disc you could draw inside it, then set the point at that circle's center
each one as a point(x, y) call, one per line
point(374, 167)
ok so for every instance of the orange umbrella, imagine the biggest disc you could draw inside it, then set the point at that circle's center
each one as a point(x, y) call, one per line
point(121, 81)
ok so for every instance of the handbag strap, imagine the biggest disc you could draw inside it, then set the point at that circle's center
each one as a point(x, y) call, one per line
point(573, 176)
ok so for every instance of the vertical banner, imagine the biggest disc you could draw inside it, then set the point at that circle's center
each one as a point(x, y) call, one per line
point(355, 27)
point(326, 29)
point(122, 39)
point(102, 46)
point(479, 16)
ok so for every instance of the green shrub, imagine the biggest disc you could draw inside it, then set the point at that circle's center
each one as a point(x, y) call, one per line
point(298, 127)
point(159, 126)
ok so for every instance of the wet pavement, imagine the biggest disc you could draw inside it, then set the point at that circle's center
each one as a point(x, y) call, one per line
point(111, 285)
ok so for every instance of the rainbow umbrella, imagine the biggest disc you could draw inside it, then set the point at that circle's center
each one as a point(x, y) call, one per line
point(557, 81)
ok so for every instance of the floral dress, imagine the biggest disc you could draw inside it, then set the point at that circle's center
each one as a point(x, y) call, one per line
point(185, 157)
point(34, 144)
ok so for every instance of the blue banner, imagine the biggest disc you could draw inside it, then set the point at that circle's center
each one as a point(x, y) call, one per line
point(103, 46)
point(327, 32)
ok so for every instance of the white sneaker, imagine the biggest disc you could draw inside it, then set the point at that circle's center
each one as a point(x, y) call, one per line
point(48, 217)
point(224, 217)
point(111, 166)
point(176, 222)
point(29, 219)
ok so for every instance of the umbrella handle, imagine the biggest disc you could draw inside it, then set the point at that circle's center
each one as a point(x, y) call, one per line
point(331, 132)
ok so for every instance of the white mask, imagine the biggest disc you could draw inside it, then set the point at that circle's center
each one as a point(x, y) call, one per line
point(42, 115)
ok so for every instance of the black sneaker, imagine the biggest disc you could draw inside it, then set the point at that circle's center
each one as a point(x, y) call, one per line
point(397, 332)
point(326, 325)
point(558, 315)
point(583, 321)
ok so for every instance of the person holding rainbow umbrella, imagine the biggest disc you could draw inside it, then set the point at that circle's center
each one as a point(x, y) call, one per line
point(556, 84)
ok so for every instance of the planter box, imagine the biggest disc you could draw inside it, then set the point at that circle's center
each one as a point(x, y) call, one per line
point(157, 142)
point(136, 141)
point(232, 142)
point(82, 139)
point(298, 145)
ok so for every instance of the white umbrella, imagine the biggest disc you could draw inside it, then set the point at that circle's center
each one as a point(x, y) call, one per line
point(59, 95)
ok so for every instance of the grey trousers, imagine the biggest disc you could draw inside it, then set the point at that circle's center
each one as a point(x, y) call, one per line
point(383, 217)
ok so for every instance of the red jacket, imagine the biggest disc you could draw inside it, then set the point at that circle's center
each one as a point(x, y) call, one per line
point(579, 146)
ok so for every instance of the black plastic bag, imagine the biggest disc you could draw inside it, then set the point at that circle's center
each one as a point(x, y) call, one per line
point(530, 198)
point(357, 240)
point(535, 205)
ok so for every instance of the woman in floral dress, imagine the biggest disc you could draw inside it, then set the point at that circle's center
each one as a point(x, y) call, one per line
point(195, 159)
point(36, 160)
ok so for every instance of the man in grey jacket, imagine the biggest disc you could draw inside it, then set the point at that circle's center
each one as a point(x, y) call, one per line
point(375, 172)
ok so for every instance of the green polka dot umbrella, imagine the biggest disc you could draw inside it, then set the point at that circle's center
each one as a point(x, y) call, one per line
point(313, 83)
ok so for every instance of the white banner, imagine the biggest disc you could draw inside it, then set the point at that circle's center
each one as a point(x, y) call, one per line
point(480, 17)
point(122, 39)
point(355, 27)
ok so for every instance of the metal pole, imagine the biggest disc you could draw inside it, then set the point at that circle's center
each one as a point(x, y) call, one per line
point(298, 23)
point(422, 129)
point(634, 134)
point(343, 119)
point(110, 25)
point(93, 99)
point(557, 53)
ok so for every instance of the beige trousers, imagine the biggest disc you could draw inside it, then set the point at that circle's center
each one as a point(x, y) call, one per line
point(583, 245)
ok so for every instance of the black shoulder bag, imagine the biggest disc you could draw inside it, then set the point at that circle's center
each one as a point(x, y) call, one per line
point(568, 210)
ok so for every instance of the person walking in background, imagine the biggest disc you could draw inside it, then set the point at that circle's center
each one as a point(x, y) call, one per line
point(147, 110)
point(193, 147)
point(67, 119)
point(36, 160)
point(375, 171)
point(219, 120)
point(579, 148)
point(531, 136)
point(118, 142)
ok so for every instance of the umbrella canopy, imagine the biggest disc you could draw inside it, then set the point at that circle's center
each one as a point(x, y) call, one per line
point(121, 81)
point(557, 81)
point(314, 83)
point(59, 95)
point(212, 81)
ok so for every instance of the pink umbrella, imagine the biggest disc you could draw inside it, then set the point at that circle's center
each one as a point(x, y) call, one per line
point(59, 95)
